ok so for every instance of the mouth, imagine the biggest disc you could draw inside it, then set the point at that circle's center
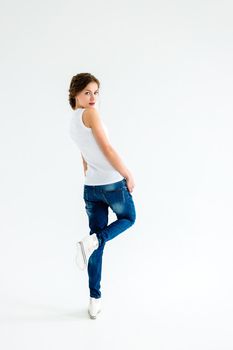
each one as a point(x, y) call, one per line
point(92, 103)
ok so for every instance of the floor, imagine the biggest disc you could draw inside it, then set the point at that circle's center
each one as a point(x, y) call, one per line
point(175, 294)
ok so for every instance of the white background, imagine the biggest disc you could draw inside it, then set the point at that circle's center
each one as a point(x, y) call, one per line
point(166, 76)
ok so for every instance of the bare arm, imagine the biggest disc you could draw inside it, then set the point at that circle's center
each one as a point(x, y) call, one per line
point(95, 123)
point(84, 165)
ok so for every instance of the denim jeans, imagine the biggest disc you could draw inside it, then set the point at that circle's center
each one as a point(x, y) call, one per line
point(98, 198)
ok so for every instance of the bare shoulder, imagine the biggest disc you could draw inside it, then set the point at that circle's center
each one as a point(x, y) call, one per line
point(91, 117)
point(98, 130)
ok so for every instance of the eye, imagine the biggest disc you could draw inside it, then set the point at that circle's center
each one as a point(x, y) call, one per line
point(89, 92)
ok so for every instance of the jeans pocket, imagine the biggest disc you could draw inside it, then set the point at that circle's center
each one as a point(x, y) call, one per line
point(114, 196)
point(113, 190)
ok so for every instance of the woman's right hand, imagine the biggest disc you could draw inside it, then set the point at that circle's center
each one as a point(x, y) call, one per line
point(130, 183)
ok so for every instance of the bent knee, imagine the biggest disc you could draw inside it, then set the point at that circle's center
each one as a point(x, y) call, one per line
point(132, 218)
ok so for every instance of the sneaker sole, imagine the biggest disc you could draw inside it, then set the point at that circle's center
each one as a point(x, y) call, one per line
point(83, 253)
point(80, 256)
point(93, 317)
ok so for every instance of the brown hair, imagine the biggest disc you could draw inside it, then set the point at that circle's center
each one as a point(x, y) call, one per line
point(78, 83)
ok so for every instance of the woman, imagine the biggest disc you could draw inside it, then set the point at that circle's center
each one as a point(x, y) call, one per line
point(108, 182)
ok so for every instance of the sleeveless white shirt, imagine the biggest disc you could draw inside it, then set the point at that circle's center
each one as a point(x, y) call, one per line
point(99, 169)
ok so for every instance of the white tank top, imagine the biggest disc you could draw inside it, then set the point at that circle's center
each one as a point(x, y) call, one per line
point(99, 170)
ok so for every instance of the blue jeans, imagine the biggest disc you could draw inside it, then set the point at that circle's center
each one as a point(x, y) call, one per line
point(98, 198)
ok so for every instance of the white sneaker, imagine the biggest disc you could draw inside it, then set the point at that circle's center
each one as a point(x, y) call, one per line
point(94, 307)
point(85, 248)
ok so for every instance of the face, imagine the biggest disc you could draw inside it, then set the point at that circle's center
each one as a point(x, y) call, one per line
point(88, 96)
